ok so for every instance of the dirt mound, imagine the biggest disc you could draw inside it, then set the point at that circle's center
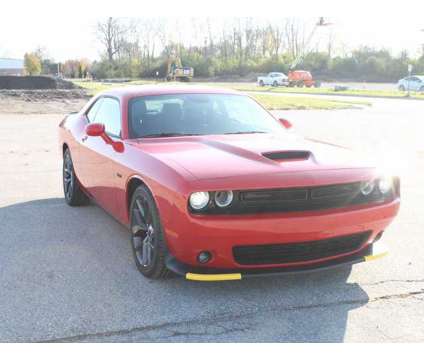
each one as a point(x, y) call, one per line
point(45, 95)
point(34, 82)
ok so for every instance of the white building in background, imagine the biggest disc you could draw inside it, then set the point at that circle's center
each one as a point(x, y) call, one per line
point(12, 67)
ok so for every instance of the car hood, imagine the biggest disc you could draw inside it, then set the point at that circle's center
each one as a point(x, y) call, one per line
point(225, 156)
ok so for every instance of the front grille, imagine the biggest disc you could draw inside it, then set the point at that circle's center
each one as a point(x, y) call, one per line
point(300, 251)
point(298, 199)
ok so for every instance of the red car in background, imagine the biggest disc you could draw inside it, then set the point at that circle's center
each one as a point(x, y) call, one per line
point(213, 187)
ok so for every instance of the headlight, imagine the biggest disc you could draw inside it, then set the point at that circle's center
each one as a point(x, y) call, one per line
point(385, 184)
point(367, 187)
point(199, 200)
point(223, 198)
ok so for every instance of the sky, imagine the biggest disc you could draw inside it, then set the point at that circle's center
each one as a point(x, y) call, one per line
point(68, 37)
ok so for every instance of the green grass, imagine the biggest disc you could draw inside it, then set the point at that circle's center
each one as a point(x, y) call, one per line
point(269, 101)
point(324, 91)
point(94, 87)
point(272, 102)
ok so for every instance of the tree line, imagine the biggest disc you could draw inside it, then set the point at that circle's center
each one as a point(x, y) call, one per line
point(232, 48)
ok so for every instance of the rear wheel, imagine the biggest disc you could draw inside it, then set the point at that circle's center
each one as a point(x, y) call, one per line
point(261, 83)
point(147, 240)
point(275, 84)
point(71, 187)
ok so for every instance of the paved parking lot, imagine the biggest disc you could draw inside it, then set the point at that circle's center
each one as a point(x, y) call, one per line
point(67, 274)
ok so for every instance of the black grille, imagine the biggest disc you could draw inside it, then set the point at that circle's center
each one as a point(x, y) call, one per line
point(301, 251)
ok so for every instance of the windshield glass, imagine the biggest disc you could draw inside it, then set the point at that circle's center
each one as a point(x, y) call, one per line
point(197, 114)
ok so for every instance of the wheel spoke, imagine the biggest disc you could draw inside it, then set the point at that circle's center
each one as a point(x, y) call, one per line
point(138, 243)
point(138, 220)
point(144, 260)
point(140, 208)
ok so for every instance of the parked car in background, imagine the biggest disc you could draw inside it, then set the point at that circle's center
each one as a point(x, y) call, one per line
point(412, 83)
point(273, 79)
point(302, 78)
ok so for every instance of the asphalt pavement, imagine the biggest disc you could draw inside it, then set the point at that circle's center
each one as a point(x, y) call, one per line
point(67, 274)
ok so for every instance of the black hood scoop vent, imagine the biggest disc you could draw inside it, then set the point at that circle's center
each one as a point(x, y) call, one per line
point(288, 155)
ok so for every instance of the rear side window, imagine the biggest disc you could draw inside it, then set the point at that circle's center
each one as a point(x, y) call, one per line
point(91, 115)
point(109, 114)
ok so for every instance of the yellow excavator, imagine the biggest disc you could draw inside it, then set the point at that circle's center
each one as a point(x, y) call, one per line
point(176, 71)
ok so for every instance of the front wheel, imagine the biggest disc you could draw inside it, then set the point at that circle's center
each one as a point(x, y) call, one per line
point(71, 187)
point(147, 240)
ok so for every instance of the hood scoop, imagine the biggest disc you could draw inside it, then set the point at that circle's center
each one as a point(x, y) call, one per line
point(288, 155)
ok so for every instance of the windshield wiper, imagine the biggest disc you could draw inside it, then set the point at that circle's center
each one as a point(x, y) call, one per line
point(170, 134)
point(245, 132)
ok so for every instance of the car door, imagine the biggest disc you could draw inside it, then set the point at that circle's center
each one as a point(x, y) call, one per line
point(97, 157)
point(416, 84)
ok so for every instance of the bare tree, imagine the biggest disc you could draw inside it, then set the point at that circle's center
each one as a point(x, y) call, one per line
point(111, 33)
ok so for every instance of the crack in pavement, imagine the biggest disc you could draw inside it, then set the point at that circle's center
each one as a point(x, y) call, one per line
point(225, 317)
point(393, 281)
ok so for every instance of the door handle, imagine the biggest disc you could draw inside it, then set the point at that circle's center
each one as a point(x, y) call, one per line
point(84, 138)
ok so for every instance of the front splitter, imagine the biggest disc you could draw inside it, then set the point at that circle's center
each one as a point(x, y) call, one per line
point(371, 252)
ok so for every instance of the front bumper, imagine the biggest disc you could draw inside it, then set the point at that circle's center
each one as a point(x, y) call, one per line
point(372, 252)
point(219, 235)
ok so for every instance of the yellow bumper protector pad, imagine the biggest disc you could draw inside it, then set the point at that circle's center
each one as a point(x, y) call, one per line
point(213, 277)
point(376, 256)
point(379, 250)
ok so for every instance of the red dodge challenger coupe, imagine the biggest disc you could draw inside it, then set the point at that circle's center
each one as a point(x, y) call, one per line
point(213, 187)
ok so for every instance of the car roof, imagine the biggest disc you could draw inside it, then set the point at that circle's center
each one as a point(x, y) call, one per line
point(162, 89)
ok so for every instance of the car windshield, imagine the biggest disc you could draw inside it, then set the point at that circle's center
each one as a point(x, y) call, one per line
point(197, 114)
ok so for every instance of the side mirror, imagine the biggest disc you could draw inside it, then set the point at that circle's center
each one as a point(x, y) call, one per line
point(287, 124)
point(95, 129)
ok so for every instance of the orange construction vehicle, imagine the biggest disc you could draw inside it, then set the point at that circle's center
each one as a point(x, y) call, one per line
point(302, 78)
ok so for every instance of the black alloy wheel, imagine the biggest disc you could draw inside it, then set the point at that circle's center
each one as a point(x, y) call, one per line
point(74, 196)
point(147, 240)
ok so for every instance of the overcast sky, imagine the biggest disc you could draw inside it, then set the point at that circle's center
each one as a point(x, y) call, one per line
point(67, 37)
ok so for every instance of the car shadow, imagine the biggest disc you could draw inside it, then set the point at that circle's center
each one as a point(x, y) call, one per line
point(71, 276)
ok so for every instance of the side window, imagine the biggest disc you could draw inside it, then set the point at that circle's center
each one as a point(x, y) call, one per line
point(91, 115)
point(109, 114)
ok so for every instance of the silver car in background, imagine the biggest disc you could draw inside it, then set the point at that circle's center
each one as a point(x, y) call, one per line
point(411, 83)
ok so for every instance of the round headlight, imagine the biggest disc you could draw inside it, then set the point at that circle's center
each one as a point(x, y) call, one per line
point(199, 200)
point(385, 184)
point(223, 198)
point(367, 187)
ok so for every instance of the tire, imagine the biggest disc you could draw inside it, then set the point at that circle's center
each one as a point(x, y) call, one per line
point(300, 84)
point(275, 84)
point(147, 240)
point(401, 88)
point(74, 196)
point(261, 83)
